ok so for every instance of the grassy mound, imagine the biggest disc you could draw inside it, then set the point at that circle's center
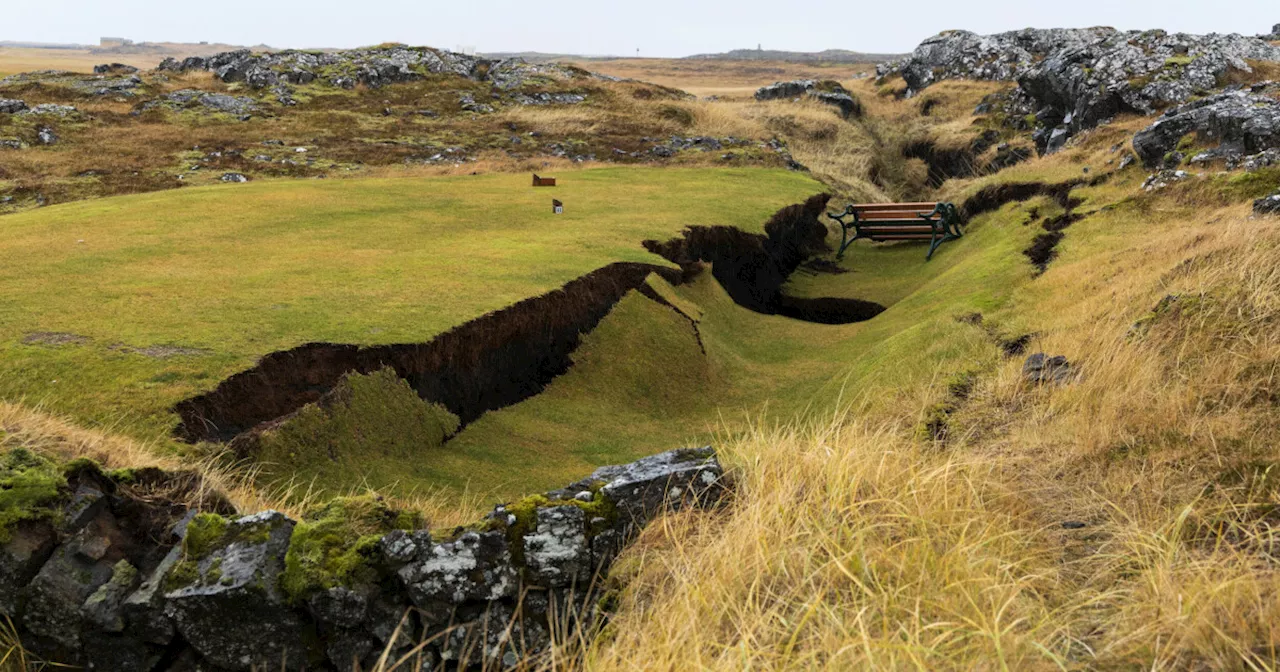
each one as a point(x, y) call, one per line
point(366, 419)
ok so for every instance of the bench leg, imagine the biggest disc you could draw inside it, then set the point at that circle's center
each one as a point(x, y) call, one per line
point(933, 245)
point(845, 242)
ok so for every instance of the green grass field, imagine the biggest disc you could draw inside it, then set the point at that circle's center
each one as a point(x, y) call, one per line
point(231, 273)
point(227, 274)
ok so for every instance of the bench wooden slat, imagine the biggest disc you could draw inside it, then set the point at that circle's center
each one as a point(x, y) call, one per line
point(882, 222)
point(894, 206)
point(907, 216)
point(880, 230)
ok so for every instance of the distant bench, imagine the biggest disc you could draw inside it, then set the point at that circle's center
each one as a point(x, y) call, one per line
point(934, 222)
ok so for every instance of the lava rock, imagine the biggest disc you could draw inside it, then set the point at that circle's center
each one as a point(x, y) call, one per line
point(374, 67)
point(1080, 78)
point(29, 545)
point(475, 566)
point(1269, 205)
point(1164, 178)
point(829, 93)
point(234, 177)
point(114, 69)
point(11, 106)
point(1040, 369)
point(46, 136)
point(556, 550)
point(1241, 122)
point(785, 90)
point(233, 612)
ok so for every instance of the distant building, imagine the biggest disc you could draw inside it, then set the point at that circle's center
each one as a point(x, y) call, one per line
point(114, 42)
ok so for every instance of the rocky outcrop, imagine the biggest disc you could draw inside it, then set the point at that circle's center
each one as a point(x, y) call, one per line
point(375, 67)
point(1080, 78)
point(1269, 205)
point(114, 69)
point(1041, 369)
point(11, 106)
point(828, 92)
point(1240, 123)
point(98, 574)
point(239, 106)
point(96, 85)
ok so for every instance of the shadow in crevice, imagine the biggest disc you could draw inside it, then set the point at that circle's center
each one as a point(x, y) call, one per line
point(752, 268)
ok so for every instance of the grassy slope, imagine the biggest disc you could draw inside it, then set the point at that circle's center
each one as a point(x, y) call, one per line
point(243, 270)
point(855, 543)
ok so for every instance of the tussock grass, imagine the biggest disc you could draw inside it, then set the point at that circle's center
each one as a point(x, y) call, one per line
point(851, 546)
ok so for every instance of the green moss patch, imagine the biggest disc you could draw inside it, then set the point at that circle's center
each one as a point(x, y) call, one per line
point(30, 488)
point(365, 418)
point(333, 545)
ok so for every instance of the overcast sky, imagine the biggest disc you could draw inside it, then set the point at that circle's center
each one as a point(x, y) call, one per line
point(655, 27)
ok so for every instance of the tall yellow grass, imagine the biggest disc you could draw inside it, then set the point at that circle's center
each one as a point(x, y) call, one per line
point(849, 546)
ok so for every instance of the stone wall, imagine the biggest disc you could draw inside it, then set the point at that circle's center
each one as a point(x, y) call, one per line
point(105, 573)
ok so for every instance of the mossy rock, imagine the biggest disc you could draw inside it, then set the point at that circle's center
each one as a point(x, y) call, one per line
point(334, 545)
point(31, 488)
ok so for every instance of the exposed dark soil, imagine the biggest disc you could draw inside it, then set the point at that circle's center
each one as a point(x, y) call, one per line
point(997, 195)
point(944, 164)
point(488, 363)
point(827, 310)
point(753, 268)
point(1010, 346)
point(1044, 249)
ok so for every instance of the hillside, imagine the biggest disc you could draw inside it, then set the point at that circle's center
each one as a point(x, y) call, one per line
point(1047, 447)
point(824, 56)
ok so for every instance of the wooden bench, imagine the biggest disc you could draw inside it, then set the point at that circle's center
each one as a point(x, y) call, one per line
point(934, 222)
point(543, 181)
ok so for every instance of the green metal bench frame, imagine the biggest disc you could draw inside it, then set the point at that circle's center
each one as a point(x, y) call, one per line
point(944, 224)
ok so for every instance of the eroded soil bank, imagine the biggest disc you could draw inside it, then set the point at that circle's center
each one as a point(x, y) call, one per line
point(510, 355)
point(752, 268)
point(493, 361)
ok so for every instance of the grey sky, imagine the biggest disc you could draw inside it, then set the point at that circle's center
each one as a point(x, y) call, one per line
point(656, 27)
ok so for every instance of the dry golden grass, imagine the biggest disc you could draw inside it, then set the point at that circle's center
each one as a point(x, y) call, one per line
point(726, 79)
point(852, 546)
point(27, 427)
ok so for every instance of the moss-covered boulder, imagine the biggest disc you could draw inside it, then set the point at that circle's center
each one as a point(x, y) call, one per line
point(224, 595)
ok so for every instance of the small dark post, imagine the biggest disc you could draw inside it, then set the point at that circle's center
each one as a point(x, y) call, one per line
point(557, 207)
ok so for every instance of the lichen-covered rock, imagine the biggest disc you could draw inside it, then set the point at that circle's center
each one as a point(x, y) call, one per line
point(675, 479)
point(214, 593)
point(238, 106)
point(556, 549)
point(1239, 122)
point(475, 566)
point(225, 599)
point(1164, 178)
point(830, 93)
point(373, 67)
point(1269, 205)
point(1080, 78)
point(46, 136)
point(11, 106)
point(105, 607)
point(114, 69)
point(784, 90)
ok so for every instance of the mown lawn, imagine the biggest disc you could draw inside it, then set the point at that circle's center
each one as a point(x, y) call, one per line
point(223, 275)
